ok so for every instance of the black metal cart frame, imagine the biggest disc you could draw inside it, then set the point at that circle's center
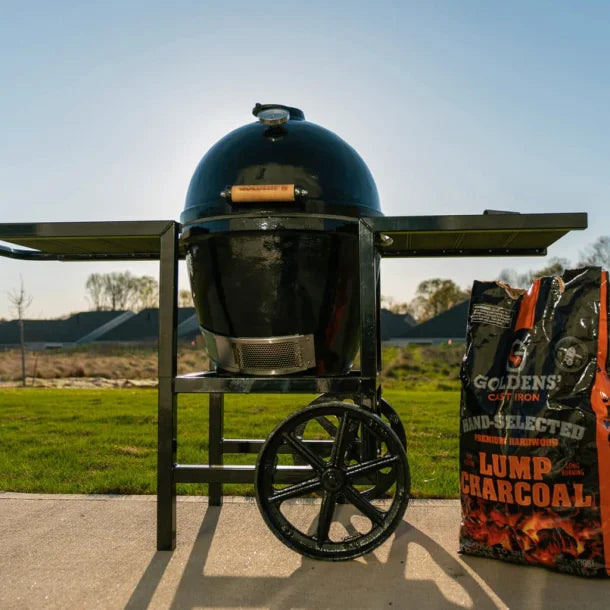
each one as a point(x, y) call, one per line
point(392, 237)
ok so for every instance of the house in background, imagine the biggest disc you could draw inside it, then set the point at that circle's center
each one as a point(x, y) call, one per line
point(143, 327)
point(447, 327)
point(96, 326)
point(77, 329)
point(394, 325)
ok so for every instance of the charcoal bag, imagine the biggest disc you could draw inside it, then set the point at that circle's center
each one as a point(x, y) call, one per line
point(535, 424)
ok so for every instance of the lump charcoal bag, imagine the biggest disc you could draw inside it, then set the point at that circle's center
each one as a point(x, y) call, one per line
point(535, 424)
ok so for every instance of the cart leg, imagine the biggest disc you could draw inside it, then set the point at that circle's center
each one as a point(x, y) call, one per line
point(166, 457)
point(370, 346)
point(166, 421)
point(216, 433)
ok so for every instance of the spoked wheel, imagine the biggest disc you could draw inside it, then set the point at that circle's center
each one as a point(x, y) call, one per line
point(380, 481)
point(340, 531)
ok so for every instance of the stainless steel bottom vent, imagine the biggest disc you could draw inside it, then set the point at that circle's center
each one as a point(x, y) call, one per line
point(261, 355)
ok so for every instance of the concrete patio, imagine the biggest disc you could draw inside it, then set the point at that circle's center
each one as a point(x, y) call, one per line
point(73, 551)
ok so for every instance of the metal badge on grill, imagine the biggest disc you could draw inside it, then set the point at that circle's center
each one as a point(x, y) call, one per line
point(261, 355)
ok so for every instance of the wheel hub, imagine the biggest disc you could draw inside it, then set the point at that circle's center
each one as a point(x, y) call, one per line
point(332, 479)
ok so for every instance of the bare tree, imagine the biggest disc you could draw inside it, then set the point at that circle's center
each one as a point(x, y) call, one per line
point(96, 288)
point(185, 298)
point(597, 254)
point(116, 291)
point(145, 292)
point(554, 266)
point(390, 304)
point(119, 289)
point(20, 301)
point(514, 279)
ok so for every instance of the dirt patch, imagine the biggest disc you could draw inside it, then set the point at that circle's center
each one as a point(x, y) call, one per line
point(83, 383)
point(117, 366)
point(94, 366)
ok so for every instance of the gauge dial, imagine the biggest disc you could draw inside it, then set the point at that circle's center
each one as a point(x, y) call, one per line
point(273, 116)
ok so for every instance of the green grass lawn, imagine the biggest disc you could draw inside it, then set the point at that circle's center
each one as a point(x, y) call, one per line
point(104, 441)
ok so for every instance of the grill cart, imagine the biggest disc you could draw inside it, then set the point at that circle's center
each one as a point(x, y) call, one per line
point(356, 452)
point(283, 235)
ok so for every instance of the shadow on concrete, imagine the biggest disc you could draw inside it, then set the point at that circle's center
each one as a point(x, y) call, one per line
point(521, 586)
point(368, 583)
point(143, 593)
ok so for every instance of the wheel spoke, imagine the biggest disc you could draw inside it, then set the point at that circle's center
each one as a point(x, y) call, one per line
point(294, 491)
point(327, 425)
point(305, 452)
point(363, 505)
point(327, 511)
point(371, 466)
point(339, 446)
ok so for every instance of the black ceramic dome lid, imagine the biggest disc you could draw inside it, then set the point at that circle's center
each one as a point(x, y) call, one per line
point(295, 152)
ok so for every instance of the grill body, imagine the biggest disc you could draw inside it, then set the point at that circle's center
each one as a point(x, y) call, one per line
point(275, 284)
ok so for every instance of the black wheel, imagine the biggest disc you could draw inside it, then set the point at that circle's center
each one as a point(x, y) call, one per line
point(340, 531)
point(381, 481)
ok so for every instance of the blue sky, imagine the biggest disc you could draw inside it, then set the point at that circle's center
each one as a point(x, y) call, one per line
point(456, 107)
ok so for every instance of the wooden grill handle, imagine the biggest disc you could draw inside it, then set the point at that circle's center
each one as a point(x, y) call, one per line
point(253, 193)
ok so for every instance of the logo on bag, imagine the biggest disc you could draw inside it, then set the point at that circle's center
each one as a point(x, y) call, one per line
point(516, 356)
point(571, 354)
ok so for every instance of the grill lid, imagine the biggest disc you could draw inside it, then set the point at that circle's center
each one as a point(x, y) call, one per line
point(282, 148)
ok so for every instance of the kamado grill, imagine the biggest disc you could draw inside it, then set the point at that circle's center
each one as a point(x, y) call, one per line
point(283, 234)
point(270, 229)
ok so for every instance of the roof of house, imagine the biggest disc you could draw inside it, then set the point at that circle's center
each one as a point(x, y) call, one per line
point(131, 327)
point(449, 324)
point(144, 326)
point(68, 330)
point(394, 325)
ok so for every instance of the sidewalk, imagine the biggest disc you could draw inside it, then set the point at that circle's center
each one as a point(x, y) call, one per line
point(71, 551)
